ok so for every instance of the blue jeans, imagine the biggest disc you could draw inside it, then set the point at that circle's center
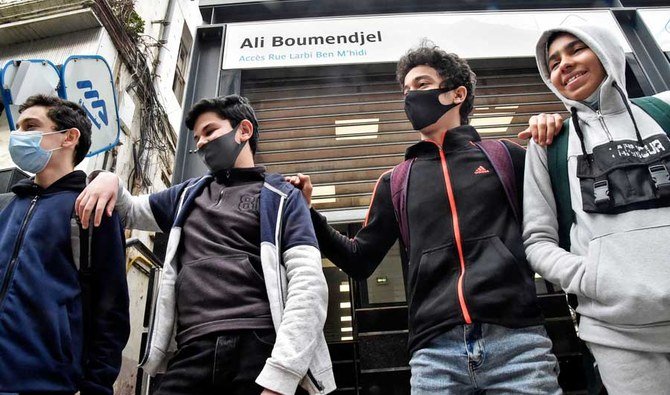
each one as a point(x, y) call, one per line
point(478, 358)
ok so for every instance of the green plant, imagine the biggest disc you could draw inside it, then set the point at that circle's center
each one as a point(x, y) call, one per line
point(124, 10)
point(134, 24)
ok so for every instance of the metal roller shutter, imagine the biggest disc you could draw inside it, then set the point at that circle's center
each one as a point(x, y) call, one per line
point(346, 130)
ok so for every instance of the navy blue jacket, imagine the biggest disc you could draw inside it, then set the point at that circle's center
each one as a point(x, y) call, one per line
point(41, 328)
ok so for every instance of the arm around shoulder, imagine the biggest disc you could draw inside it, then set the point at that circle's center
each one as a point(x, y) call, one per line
point(359, 256)
point(104, 193)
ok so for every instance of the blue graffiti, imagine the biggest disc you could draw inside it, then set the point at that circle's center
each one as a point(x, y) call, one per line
point(89, 94)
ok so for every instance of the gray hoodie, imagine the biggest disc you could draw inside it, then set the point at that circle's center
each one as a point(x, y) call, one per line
point(618, 265)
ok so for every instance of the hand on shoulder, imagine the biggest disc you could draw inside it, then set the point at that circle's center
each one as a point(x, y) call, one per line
point(97, 199)
point(542, 128)
point(304, 183)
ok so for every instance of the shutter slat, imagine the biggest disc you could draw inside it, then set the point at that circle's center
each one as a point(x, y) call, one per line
point(345, 131)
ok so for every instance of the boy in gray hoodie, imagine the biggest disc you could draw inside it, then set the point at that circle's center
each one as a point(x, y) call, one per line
point(619, 259)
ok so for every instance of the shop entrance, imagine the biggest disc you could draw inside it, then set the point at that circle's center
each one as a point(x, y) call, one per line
point(345, 126)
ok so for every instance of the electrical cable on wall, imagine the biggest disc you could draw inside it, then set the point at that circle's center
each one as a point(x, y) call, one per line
point(155, 132)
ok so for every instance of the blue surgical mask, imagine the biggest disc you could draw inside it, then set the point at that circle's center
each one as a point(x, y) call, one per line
point(26, 152)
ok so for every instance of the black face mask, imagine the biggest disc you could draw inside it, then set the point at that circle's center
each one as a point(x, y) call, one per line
point(222, 152)
point(423, 108)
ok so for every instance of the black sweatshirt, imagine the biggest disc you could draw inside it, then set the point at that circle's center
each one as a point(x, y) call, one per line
point(220, 286)
point(481, 250)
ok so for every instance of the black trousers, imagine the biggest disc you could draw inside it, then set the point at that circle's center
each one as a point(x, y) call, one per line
point(224, 363)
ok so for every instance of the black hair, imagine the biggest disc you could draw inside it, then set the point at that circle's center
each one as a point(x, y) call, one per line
point(66, 115)
point(234, 108)
point(554, 35)
point(454, 71)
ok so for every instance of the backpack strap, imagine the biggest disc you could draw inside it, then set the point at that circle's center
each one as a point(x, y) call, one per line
point(557, 163)
point(81, 241)
point(498, 154)
point(399, 183)
point(657, 109)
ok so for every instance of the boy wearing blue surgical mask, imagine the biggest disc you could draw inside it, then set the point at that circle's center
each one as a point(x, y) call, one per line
point(474, 322)
point(50, 342)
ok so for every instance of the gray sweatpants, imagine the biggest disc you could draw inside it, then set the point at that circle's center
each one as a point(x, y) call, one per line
point(627, 372)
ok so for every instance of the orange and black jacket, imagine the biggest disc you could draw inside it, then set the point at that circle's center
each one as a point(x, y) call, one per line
point(466, 261)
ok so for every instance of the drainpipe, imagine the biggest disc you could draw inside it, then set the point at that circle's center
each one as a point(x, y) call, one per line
point(163, 39)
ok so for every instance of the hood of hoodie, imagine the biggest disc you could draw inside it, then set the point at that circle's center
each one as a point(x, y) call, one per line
point(74, 181)
point(608, 49)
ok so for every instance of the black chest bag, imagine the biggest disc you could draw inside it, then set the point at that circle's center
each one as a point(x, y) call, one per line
point(626, 175)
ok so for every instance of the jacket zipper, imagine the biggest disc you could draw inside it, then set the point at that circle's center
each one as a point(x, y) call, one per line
point(150, 329)
point(602, 122)
point(457, 235)
point(12, 263)
point(277, 245)
point(280, 214)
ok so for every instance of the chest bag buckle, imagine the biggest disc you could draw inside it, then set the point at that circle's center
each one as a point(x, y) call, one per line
point(661, 177)
point(601, 192)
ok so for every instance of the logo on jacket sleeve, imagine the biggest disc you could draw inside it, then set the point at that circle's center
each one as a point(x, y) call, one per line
point(481, 170)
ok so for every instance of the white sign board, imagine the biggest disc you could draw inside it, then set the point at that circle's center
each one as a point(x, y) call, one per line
point(385, 38)
point(23, 78)
point(658, 23)
point(88, 81)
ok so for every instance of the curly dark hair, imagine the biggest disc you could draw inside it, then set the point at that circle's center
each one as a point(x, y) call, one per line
point(234, 108)
point(66, 115)
point(454, 71)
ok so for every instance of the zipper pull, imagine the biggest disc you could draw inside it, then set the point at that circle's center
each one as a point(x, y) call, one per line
point(218, 201)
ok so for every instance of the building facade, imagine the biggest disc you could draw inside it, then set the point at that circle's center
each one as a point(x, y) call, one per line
point(147, 45)
point(320, 74)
